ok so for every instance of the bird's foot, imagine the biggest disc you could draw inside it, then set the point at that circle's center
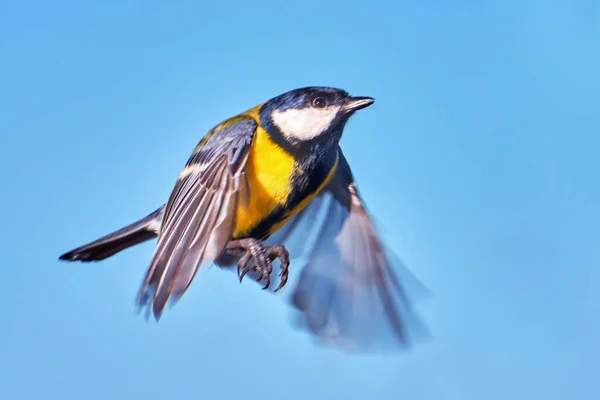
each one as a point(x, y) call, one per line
point(259, 259)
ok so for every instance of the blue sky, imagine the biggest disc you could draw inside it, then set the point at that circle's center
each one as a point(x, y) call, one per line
point(479, 160)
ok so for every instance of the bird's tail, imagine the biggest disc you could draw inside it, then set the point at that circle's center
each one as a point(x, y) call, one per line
point(140, 231)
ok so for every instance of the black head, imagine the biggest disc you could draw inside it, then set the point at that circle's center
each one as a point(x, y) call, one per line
point(303, 115)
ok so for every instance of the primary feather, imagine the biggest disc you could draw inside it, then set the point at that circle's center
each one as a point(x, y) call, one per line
point(347, 293)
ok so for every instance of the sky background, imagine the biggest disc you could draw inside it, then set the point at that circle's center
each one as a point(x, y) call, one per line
point(479, 160)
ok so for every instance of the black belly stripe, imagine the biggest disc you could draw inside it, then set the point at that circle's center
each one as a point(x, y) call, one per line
point(306, 181)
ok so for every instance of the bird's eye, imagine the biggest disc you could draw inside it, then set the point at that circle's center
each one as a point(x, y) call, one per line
point(319, 102)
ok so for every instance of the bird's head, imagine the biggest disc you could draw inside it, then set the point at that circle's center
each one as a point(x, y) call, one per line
point(306, 114)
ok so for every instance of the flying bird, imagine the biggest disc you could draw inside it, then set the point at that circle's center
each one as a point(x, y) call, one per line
point(260, 188)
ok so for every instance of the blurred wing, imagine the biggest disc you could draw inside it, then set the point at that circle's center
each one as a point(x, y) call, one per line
point(347, 293)
point(200, 213)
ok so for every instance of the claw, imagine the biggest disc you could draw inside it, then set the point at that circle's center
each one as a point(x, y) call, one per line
point(282, 283)
point(263, 259)
point(284, 258)
point(268, 284)
point(242, 265)
point(244, 274)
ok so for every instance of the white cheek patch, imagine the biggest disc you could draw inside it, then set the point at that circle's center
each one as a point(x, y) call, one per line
point(305, 123)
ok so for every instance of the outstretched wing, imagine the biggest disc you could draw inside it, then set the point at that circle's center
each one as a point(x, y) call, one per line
point(200, 214)
point(347, 292)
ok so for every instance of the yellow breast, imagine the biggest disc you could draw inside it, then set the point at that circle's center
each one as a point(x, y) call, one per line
point(269, 171)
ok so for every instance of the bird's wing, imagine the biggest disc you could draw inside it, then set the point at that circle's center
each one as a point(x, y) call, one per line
point(347, 292)
point(200, 214)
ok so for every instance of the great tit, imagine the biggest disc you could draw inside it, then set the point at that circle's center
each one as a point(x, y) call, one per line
point(269, 180)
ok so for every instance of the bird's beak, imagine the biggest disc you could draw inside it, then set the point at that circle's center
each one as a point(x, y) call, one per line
point(358, 103)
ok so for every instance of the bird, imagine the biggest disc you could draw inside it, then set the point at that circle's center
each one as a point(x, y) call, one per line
point(269, 185)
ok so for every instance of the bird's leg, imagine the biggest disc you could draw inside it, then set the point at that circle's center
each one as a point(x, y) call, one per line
point(259, 259)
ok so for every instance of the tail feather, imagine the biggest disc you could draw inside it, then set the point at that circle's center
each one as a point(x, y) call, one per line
point(140, 231)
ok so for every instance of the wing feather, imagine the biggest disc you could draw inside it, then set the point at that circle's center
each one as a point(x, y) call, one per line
point(200, 214)
point(347, 292)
